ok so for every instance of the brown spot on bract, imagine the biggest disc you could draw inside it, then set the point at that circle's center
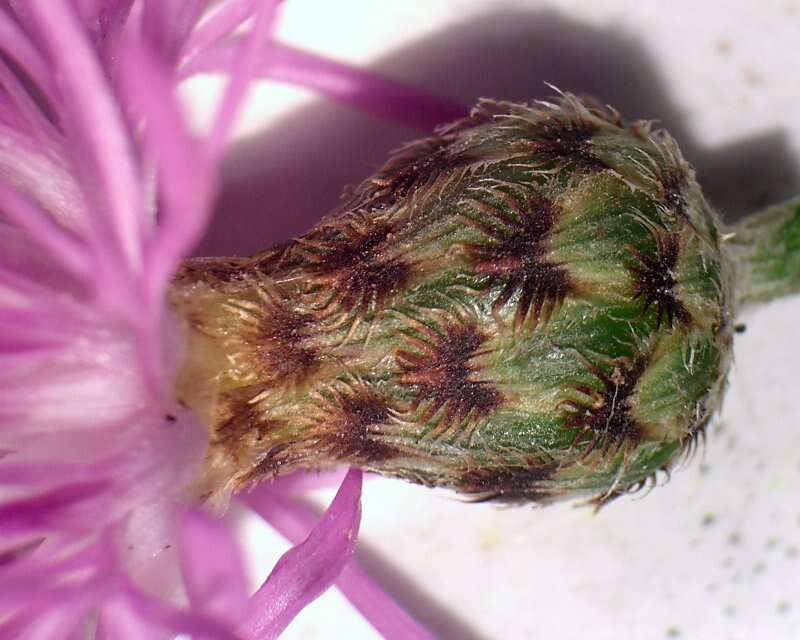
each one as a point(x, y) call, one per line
point(282, 345)
point(344, 427)
point(213, 271)
point(673, 180)
point(353, 264)
point(566, 139)
point(365, 285)
point(261, 446)
point(515, 255)
point(695, 437)
point(666, 172)
point(520, 482)
point(272, 260)
point(602, 418)
point(654, 281)
point(273, 460)
point(349, 425)
point(442, 372)
point(241, 428)
point(418, 165)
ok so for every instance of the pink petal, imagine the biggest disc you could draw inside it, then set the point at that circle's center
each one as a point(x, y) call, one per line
point(370, 92)
point(358, 88)
point(301, 481)
point(32, 584)
point(32, 474)
point(212, 568)
point(32, 324)
point(42, 128)
point(105, 156)
point(43, 624)
point(30, 279)
point(309, 568)
point(377, 607)
point(244, 65)
point(9, 113)
point(16, 44)
point(132, 616)
point(37, 169)
point(116, 621)
point(166, 25)
point(200, 627)
point(65, 508)
point(64, 247)
point(50, 560)
point(226, 19)
point(105, 21)
point(186, 183)
point(18, 338)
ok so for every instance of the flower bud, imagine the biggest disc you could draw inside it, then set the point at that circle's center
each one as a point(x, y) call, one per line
point(532, 304)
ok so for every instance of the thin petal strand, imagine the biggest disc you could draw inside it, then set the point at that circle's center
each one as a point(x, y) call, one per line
point(97, 122)
point(15, 43)
point(66, 249)
point(243, 69)
point(377, 607)
point(211, 568)
point(223, 22)
point(364, 90)
point(309, 568)
point(185, 179)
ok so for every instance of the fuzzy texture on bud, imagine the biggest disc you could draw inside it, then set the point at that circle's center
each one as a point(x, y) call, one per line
point(533, 304)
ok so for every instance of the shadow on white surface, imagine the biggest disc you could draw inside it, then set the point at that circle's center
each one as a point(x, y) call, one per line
point(279, 183)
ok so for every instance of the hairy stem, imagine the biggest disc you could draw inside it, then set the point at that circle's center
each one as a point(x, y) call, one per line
point(766, 250)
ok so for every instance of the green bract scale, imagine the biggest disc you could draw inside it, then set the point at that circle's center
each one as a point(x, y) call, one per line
point(532, 304)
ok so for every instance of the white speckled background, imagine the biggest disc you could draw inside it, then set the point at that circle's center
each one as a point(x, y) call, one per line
point(715, 554)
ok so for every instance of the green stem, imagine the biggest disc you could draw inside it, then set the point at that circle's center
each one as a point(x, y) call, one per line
point(766, 251)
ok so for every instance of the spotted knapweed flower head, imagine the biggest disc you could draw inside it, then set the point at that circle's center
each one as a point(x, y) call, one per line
point(103, 190)
point(533, 304)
